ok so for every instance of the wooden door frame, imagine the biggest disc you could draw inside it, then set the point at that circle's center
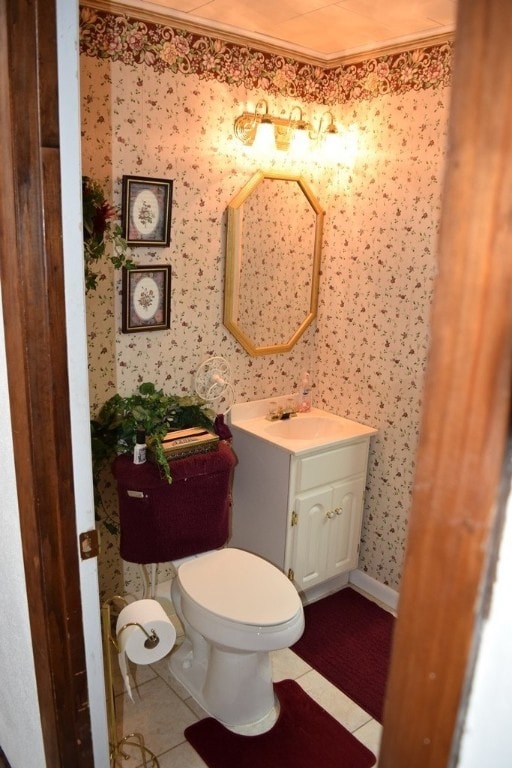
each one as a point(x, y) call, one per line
point(456, 516)
point(35, 335)
point(465, 406)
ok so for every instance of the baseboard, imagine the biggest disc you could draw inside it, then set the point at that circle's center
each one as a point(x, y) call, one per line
point(324, 589)
point(380, 592)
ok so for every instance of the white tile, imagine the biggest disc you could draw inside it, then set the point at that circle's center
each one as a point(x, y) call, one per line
point(139, 674)
point(163, 709)
point(334, 701)
point(245, 14)
point(286, 665)
point(174, 5)
point(162, 670)
point(182, 756)
point(331, 29)
point(370, 735)
point(401, 17)
point(157, 713)
point(196, 708)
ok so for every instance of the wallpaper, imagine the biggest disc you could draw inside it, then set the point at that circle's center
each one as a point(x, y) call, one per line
point(161, 102)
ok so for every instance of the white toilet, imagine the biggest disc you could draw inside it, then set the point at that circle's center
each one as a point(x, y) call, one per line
point(235, 608)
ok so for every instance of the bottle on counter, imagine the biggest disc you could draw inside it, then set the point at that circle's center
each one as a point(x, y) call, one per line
point(139, 451)
point(305, 395)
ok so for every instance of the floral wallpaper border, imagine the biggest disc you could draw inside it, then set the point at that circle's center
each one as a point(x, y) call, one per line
point(105, 35)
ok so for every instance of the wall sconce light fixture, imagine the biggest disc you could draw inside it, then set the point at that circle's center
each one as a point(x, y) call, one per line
point(300, 133)
point(265, 131)
point(263, 137)
point(260, 128)
point(328, 138)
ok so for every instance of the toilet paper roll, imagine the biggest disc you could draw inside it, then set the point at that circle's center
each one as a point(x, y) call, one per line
point(133, 642)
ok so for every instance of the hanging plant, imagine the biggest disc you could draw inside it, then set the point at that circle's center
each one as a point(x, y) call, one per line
point(101, 232)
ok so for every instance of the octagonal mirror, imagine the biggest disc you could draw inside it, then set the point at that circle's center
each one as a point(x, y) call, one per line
point(273, 250)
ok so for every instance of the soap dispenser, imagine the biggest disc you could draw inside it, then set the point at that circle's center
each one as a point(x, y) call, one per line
point(305, 395)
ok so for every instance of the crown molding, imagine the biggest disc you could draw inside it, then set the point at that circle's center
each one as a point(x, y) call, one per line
point(398, 46)
point(263, 43)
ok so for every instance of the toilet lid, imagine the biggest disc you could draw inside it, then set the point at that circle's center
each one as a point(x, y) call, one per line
point(240, 587)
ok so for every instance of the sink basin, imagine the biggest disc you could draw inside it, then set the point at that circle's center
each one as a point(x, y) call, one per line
point(303, 427)
point(298, 435)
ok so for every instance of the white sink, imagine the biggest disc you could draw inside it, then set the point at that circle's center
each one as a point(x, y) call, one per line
point(298, 434)
point(307, 426)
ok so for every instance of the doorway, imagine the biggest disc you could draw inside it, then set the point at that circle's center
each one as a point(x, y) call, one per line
point(34, 262)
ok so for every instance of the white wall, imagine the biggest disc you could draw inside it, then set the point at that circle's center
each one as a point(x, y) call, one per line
point(487, 739)
point(20, 725)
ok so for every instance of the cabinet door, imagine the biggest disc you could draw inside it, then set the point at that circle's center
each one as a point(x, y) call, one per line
point(327, 532)
point(311, 537)
point(345, 528)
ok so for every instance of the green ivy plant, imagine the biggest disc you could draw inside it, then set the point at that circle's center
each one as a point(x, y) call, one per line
point(100, 231)
point(114, 430)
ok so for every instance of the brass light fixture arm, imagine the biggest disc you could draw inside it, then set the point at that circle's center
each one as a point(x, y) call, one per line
point(246, 125)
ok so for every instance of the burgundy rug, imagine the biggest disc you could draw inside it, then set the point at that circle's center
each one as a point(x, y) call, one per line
point(305, 736)
point(347, 639)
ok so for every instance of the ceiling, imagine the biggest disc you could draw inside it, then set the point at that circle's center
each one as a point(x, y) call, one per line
point(312, 29)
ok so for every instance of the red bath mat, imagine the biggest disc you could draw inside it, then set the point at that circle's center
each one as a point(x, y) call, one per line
point(348, 640)
point(305, 736)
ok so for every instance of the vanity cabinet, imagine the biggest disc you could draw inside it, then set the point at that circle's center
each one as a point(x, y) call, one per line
point(326, 514)
point(301, 509)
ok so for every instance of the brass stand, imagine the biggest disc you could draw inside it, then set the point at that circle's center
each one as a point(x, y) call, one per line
point(132, 739)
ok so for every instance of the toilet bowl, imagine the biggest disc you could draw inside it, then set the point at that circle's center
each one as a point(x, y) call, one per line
point(235, 608)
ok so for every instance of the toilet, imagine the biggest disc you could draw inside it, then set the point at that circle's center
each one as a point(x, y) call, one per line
point(235, 608)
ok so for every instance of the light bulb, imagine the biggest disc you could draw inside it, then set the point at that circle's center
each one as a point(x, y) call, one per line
point(299, 144)
point(264, 139)
point(331, 145)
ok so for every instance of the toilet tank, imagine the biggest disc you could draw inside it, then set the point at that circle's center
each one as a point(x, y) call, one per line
point(161, 521)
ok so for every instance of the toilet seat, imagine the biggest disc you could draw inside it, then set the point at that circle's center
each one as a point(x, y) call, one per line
point(239, 587)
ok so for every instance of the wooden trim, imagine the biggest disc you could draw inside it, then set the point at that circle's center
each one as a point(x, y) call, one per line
point(466, 407)
point(35, 330)
point(233, 263)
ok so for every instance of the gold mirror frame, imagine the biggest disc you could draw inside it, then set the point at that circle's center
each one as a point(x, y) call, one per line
point(234, 244)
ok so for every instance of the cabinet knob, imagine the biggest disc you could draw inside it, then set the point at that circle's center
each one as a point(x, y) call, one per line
point(338, 510)
point(329, 514)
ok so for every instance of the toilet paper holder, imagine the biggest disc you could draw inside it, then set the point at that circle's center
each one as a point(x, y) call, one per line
point(151, 641)
point(132, 739)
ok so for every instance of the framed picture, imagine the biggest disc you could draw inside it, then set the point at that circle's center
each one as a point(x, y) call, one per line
point(146, 299)
point(146, 210)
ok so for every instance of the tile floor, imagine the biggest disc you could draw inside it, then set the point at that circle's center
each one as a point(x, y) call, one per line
point(162, 709)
